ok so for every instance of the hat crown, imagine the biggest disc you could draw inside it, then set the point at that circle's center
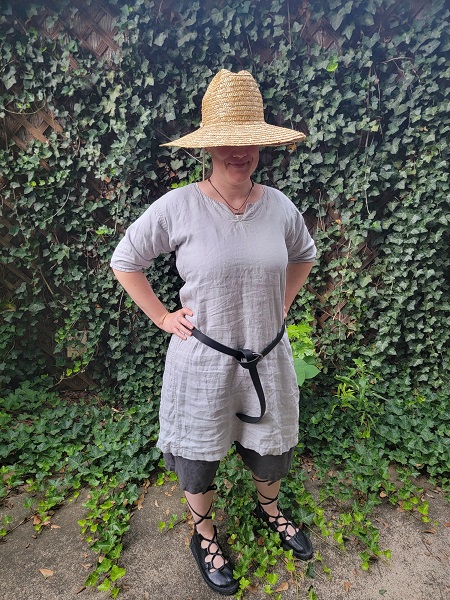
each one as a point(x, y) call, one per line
point(231, 99)
point(233, 115)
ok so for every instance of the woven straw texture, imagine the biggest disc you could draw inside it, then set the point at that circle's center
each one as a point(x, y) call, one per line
point(233, 115)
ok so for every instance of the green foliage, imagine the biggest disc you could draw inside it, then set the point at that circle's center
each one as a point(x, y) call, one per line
point(375, 107)
point(6, 520)
point(362, 454)
point(355, 394)
point(373, 173)
point(369, 447)
point(373, 447)
point(51, 448)
point(303, 351)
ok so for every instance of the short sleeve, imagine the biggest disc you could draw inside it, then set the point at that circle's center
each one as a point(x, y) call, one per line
point(299, 243)
point(144, 240)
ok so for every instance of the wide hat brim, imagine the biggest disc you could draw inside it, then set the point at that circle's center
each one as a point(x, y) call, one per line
point(246, 134)
point(233, 115)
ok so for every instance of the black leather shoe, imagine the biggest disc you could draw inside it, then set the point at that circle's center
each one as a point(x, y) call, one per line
point(299, 543)
point(220, 579)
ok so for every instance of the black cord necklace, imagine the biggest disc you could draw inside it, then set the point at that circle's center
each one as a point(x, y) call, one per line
point(235, 210)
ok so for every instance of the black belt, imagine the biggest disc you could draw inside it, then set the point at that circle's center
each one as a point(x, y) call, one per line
point(247, 359)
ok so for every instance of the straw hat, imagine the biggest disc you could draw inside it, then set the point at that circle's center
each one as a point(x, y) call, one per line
point(233, 115)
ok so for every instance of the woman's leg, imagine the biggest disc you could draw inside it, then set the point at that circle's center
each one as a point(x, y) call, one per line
point(268, 499)
point(201, 508)
point(267, 471)
point(196, 479)
point(268, 511)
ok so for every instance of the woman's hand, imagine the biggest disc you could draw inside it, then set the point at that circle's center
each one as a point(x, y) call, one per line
point(177, 323)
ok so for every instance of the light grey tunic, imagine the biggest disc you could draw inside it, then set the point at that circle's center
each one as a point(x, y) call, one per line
point(234, 273)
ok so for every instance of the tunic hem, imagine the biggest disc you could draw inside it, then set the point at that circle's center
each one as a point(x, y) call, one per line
point(219, 455)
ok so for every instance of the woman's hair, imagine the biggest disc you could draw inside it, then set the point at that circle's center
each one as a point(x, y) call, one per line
point(207, 167)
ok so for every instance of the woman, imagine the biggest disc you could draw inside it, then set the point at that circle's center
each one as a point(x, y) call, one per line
point(243, 252)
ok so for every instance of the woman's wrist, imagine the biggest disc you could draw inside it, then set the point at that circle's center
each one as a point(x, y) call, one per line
point(162, 319)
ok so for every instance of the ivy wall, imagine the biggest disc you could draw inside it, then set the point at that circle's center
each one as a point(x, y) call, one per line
point(367, 80)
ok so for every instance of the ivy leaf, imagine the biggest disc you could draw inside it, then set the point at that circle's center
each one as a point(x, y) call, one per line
point(10, 78)
point(117, 572)
point(104, 566)
point(332, 65)
point(304, 371)
point(272, 578)
point(105, 586)
point(336, 20)
point(160, 39)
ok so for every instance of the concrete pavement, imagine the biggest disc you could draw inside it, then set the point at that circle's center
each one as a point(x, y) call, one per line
point(160, 566)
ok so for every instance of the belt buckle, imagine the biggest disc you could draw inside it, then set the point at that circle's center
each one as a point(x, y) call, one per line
point(246, 362)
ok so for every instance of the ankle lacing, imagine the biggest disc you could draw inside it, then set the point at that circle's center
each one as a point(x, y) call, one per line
point(281, 527)
point(209, 552)
point(270, 500)
point(213, 553)
point(261, 480)
point(202, 517)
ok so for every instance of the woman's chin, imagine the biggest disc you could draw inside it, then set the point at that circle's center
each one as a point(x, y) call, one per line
point(239, 174)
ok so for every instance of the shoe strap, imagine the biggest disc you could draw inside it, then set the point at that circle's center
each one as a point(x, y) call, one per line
point(276, 520)
point(207, 516)
point(210, 488)
point(259, 480)
point(213, 553)
point(269, 500)
point(201, 517)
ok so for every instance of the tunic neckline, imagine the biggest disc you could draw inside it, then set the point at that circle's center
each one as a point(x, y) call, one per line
point(249, 209)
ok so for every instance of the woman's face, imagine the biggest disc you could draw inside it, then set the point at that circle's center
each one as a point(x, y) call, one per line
point(234, 164)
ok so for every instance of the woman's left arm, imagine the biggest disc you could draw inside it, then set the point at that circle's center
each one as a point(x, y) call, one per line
point(296, 275)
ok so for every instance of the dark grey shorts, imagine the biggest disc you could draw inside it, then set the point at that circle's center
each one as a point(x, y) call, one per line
point(196, 476)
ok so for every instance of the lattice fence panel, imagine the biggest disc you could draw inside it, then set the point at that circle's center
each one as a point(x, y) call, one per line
point(94, 27)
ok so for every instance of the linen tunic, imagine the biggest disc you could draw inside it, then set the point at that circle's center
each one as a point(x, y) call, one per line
point(234, 273)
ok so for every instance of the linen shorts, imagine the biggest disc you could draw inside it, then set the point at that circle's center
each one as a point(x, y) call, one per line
point(196, 476)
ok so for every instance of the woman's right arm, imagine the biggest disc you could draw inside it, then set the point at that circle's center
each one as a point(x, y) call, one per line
point(137, 286)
